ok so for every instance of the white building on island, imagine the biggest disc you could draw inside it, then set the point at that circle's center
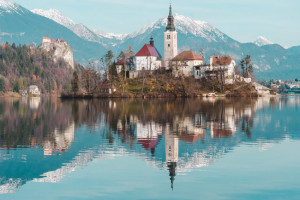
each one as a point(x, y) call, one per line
point(222, 64)
point(183, 64)
point(148, 58)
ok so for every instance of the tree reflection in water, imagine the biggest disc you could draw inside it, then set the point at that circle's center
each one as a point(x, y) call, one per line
point(174, 135)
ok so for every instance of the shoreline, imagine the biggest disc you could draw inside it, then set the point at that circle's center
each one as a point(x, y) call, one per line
point(161, 96)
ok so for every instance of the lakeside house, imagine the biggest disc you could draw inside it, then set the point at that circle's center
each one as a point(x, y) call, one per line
point(183, 64)
point(106, 88)
point(34, 90)
point(23, 92)
point(221, 65)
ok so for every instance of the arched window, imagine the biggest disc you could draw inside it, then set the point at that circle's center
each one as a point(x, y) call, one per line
point(169, 45)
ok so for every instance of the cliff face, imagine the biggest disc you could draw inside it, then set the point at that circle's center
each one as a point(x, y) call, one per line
point(61, 50)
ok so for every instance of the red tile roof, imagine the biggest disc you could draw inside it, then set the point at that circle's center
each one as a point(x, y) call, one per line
point(148, 143)
point(148, 50)
point(120, 62)
point(187, 55)
point(225, 60)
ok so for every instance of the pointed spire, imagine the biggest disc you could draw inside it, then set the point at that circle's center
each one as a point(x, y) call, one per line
point(170, 26)
point(170, 10)
point(172, 172)
point(152, 41)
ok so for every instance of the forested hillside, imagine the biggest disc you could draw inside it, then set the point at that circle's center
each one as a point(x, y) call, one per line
point(21, 66)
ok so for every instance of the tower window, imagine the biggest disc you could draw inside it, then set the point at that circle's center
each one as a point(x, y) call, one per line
point(169, 45)
point(168, 37)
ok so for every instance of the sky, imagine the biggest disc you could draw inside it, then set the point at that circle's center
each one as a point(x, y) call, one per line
point(243, 20)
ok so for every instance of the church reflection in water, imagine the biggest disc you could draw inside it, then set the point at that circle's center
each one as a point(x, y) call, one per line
point(177, 136)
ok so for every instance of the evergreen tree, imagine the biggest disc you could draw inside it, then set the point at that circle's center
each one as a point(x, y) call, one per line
point(75, 83)
point(2, 85)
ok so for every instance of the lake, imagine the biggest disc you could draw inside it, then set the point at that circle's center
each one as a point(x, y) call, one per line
point(150, 149)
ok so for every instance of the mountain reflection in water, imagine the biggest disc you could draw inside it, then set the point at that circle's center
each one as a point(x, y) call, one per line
point(42, 140)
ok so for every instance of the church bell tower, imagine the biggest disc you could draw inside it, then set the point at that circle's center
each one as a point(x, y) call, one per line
point(170, 40)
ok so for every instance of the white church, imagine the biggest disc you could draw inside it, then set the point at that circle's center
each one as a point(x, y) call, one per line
point(148, 57)
point(186, 64)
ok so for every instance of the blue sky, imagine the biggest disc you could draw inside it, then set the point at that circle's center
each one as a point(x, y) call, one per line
point(243, 20)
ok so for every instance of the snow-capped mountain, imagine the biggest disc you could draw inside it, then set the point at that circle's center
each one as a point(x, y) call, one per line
point(186, 25)
point(22, 26)
point(10, 7)
point(262, 41)
point(79, 29)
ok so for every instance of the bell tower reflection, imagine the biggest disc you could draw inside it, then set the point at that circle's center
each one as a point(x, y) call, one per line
point(171, 145)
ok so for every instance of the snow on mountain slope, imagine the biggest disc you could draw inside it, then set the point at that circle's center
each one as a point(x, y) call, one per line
point(183, 24)
point(186, 26)
point(106, 39)
point(79, 29)
point(262, 41)
point(10, 7)
point(101, 33)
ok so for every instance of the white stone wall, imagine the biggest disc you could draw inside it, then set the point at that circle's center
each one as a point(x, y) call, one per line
point(200, 73)
point(170, 46)
point(230, 73)
point(185, 68)
point(147, 63)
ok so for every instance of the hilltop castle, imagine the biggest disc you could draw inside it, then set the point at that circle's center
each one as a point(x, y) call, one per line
point(61, 50)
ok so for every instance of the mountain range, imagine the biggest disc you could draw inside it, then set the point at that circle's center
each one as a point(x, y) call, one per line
point(22, 26)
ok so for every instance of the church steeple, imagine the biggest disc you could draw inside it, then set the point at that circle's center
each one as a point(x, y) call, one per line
point(170, 26)
point(172, 172)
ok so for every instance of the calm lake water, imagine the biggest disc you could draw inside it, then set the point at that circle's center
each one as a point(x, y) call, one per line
point(152, 149)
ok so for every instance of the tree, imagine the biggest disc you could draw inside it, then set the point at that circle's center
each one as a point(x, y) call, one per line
point(246, 66)
point(112, 70)
point(110, 64)
point(242, 64)
point(2, 85)
point(89, 79)
point(75, 83)
point(55, 87)
point(108, 57)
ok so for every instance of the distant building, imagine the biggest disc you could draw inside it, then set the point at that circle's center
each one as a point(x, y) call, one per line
point(46, 40)
point(106, 88)
point(23, 92)
point(34, 90)
point(220, 65)
point(170, 40)
point(125, 59)
point(183, 64)
point(148, 58)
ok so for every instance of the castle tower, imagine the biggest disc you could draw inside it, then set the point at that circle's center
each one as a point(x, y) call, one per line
point(170, 40)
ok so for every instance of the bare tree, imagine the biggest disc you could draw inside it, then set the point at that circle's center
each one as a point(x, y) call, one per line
point(89, 79)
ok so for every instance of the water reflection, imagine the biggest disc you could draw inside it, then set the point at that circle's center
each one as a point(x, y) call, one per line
point(42, 140)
